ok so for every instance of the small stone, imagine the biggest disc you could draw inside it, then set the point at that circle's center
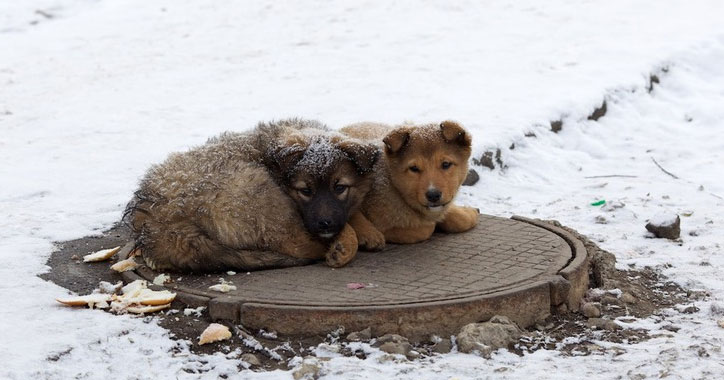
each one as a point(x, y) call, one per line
point(595, 294)
point(486, 337)
point(628, 298)
point(251, 359)
point(610, 299)
point(600, 219)
point(443, 346)
point(556, 126)
point(385, 358)
point(697, 294)
point(613, 205)
point(592, 347)
point(665, 226)
point(357, 336)
point(501, 320)
point(309, 369)
point(591, 310)
point(596, 323)
point(394, 344)
point(472, 178)
point(329, 348)
point(690, 309)
point(611, 326)
point(671, 328)
point(562, 308)
point(396, 348)
point(389, 338)
point(486, 160)
point(720, 323)
point(603, 324)
point(717, 309)
point(701, 351)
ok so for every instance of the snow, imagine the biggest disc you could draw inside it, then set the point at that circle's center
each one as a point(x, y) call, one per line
point(663, 220)
point(99, 91)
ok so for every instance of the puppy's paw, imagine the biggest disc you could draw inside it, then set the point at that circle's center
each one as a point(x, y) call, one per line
point(337, 256)
point(460, 219)
point(371, 240)
point(343, 250)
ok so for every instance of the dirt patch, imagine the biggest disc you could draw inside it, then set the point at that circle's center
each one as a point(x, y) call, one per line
point(619, 296)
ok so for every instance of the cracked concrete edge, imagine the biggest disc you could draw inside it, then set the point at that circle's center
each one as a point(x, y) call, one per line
point(576, 271)
point(524, 305)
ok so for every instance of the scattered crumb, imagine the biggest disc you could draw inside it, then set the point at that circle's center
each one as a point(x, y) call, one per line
point(161, 279)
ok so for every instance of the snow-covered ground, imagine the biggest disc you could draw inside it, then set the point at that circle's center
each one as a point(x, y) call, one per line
point(92, 92)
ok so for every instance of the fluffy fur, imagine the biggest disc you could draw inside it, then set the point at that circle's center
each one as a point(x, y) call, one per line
point(415, 182)
point(286, 188)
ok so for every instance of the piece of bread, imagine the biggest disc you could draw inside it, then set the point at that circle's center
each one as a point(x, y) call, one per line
point(136, 298)
point(103, 254)
point(138, 309)
point(98, 300)
point(155, 297)
point(214, 333)
point(137, 292)
point(133, 288)
point(125, 265)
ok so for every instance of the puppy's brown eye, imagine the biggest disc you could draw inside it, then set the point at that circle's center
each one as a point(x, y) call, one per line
point(446, 165)
point(414, 169)
point(307, 192)
point(339, 189)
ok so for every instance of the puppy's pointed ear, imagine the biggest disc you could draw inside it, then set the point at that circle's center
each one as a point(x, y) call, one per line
point(454, 133)
point(363, 156)
point(397, 139)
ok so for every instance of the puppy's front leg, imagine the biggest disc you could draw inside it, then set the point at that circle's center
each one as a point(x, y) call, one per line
point(369, 237)
point(303, 246)
point(459, 219)
point(344, 249)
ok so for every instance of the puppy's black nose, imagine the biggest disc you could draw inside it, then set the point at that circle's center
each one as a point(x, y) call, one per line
point(324, 224)
point(433, 195)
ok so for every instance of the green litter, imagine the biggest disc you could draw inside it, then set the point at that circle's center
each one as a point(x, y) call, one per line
point(599, 203)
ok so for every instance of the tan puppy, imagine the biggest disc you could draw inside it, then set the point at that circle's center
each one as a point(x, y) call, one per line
point(415, 182)
point(287, 188)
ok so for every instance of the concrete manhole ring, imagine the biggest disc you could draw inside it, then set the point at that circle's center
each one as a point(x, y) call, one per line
point(517, 267)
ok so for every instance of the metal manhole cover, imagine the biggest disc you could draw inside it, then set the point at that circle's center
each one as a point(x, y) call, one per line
point(515, 267)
